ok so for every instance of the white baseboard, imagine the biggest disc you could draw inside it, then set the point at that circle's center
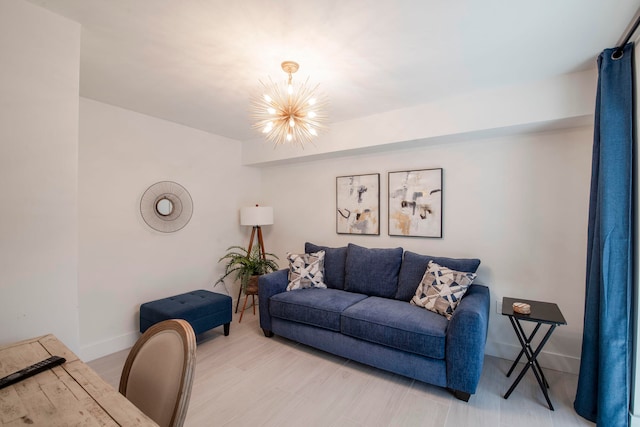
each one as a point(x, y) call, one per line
point(99, 349)
point(102, 348)
point(555, 361)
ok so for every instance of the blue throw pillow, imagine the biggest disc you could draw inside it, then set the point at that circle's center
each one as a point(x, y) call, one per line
point(373, 272)
point(414, 265)
point(334, 262)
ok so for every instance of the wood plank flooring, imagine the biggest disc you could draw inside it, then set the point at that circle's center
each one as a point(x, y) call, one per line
point(246, 379)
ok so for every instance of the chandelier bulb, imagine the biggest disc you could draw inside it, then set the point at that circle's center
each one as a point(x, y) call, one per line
point(312, 101)
point(267, 98)
point(311, 114)
point(271, 110)
point(292, 122)
point(289, 137)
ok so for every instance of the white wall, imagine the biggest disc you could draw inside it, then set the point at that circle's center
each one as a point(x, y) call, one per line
point(40, 55)
point(123, 262)
point(563, 101)
point(519, 203)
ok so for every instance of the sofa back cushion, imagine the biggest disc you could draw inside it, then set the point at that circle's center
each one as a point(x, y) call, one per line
point(373, 272)
point(334, 262)
point(414, 266)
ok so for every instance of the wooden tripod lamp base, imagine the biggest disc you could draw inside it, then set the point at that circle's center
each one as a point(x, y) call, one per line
point(260, 241)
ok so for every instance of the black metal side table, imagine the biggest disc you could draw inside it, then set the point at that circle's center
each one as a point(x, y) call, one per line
point(541, 313)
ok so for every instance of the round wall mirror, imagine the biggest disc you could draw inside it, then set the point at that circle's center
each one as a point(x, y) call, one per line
point(164, 207)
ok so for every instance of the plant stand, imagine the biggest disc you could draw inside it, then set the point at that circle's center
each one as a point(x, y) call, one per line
point(252, 289)
point(262, 254)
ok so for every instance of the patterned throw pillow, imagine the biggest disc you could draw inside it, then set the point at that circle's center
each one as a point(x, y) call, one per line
point(441, 289)
point(306, 271)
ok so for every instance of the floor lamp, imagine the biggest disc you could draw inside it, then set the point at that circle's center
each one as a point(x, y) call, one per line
point(255, 216)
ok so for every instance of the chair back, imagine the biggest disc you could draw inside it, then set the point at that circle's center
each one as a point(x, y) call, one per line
point(158, 373)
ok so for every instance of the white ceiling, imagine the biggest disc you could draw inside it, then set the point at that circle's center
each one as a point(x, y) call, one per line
point(196, 62)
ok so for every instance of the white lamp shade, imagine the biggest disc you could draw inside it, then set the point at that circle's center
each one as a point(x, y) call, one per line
point(256, 215)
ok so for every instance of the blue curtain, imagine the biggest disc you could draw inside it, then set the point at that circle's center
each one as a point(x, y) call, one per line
point(604, 382)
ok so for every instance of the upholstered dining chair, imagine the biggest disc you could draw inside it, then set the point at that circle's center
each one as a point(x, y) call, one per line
point(158, 373)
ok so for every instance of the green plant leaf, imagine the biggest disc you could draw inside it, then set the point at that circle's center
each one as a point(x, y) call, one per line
point(244, 264)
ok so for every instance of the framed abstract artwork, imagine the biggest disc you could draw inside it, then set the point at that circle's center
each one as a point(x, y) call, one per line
point(415, 203)
point(358, 204)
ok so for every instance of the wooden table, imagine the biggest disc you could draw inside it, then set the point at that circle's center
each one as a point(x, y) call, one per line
point(71, 394)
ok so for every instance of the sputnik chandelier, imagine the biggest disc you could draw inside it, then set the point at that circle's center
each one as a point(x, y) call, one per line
point(290, 112)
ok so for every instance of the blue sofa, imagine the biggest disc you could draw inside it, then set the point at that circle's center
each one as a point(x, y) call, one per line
point(365, 315)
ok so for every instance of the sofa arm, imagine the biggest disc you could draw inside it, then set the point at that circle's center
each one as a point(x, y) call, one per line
point(466, 338)
point(269, 285)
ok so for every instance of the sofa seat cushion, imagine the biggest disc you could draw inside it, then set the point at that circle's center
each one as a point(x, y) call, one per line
point(314, 306)
point(397, 324)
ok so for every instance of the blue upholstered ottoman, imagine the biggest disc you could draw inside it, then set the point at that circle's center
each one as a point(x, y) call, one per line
point(204, 310)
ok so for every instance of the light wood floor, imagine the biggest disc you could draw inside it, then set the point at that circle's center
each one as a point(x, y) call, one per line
point(246, 379)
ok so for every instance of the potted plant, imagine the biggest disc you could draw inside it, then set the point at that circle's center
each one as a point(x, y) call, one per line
point(248, 266)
